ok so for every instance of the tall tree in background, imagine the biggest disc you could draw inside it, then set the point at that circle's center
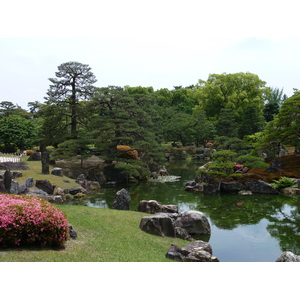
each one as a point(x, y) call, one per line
point(73, 83)
point(7, 108)
point(273, 103)
point(18, 132)
point(226, 124)
point(231, 91)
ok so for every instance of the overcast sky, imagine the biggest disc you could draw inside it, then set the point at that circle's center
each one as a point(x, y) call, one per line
point(149, 43)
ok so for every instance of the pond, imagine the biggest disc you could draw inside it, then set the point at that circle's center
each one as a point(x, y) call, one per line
point(255, 228)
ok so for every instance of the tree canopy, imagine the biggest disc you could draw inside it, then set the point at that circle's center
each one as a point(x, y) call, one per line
point(79, 118)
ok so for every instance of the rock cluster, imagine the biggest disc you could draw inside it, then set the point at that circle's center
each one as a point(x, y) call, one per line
point(259, 187)
point(182, 225)
point(198, 251)
point(44, 188)
point(153, 207)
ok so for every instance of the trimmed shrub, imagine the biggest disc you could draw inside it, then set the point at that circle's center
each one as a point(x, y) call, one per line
point(127, 152)
point(28, 220)
point(29, 152)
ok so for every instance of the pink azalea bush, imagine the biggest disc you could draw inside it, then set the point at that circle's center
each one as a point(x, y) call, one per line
point(28, 220)
point(238, 167)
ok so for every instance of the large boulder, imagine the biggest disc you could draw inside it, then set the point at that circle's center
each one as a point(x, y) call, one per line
point(231, 186)
point(260, 187)
point(45, 185)
point(182, 225)
point(288, 256)
point(152, 207)
point(210, 188)
point(198, 251)
point(35, 156)
point(38, 193)
point(57, 171)
point(194, 222)
point(7, 179)
point(186, 250)
point(14, 188)
point(76, 190)
point(57, 199)
point(161, 224)
point(291, 191)
point(122, 200)
point(29, 182)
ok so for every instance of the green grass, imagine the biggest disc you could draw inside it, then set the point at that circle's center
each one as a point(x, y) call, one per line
point(35, 171)
point(104, 235)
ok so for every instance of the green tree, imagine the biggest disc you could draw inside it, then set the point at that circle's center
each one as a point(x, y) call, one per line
point(7, 108)
point(118, 118)
point(221, 166)
point(35, 109)
point(226, 124)
point(251, 120)
point(72, 148)
point(178, 127)
point(182, 101)
point(283, 130)
point(202, 130)
point(273, 103)
point(235, 91)
point(73, 83)
point(18, 131)
point(251, 161)
point(54, 126)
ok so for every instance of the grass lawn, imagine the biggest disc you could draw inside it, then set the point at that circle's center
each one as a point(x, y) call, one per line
point(35, 171)
point(104, 235)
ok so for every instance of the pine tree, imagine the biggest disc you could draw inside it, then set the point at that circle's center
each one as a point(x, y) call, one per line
point(118, 118)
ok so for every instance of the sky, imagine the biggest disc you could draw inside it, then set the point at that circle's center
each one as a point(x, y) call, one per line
point(146, 43)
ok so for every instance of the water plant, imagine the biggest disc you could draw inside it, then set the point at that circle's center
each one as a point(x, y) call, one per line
point(27, 220)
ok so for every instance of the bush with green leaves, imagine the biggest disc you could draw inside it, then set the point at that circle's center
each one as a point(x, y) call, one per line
point(27, 220)
point(251, 161)
point(284, 182)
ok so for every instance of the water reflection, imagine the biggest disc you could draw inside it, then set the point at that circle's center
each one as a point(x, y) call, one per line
point(98, 203)
point(244, 228)
point(285, 227)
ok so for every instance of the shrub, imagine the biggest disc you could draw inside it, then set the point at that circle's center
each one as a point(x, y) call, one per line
point(8, 148)
point(27, 220)
point(251, 161)
point(284, 182)
point(127, 152)
point(29, 152)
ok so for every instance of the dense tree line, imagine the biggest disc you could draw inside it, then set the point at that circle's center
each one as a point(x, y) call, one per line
point(79, 118)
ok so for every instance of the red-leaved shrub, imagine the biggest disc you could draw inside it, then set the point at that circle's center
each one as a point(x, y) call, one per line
point(127, 152)
point(29, 152)
point(28, 220)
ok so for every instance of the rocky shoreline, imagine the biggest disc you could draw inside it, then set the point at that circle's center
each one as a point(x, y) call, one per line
point(251, 181)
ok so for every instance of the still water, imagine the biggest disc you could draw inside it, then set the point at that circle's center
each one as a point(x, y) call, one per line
point(255, 228)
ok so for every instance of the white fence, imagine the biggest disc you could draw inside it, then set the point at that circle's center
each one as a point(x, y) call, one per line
point(9, 158)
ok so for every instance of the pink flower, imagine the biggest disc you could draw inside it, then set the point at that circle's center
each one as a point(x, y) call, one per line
point(24, 218)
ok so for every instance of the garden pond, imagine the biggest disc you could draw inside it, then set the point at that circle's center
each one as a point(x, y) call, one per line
point(253, 228)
